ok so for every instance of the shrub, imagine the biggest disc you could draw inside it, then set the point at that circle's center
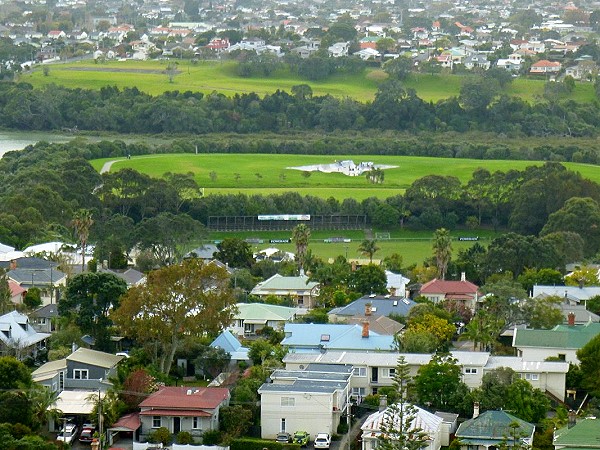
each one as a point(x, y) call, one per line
point(212, 437)
point(260, 444)
point(184, 437)
point(160, 436)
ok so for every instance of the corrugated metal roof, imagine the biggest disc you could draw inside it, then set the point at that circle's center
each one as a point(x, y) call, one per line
point(561, 336)
point(585, 433)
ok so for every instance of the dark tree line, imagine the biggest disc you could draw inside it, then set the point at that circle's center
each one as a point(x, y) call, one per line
point(394, 108)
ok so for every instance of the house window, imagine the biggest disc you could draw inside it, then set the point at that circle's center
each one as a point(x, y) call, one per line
point(470, 370)
point(156, 422)
point(288, 401)
point(358, 391)
point(80, 374)
point(532, 376)
point(61, 381)
point(197, 423)
point(282, 424)
point(562, 356)
point(360, 371)
point(390, 373)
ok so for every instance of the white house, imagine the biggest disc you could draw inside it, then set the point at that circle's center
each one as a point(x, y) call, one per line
point(339, 49)
point(424, 421)
point(312, 399)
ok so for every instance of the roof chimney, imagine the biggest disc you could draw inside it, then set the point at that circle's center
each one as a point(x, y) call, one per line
point(463, 276)
point(572, 418)
point(475, 410)
point(382, 402)
point(13, 264)
point(365, 329)
point(571, 319)
point(368, 309)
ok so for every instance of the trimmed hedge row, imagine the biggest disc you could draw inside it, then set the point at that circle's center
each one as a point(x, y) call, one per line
point(260, 444)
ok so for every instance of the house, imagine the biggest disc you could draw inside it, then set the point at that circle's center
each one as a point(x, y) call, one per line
point(18, 338)
point(367, 53)
point(477, 61)
point(181, 408)
point(17, 293)
point(372, 306)
point(396, 283)
point(84, 369)
point(462, 291)
point(56, 34)
point(512, 63)
point(218, 44)
point(581, 434)
point(288, 395)
point(379, 323)
point(424, 421)
point(131, 277)
point(544, 66)
point(572, 294)
point(205, 252)
point(583, 70)
point(312, 337)
point(374, 370)
point(231, 345)
point(492, 429)
point(43, 319)
point(30, 272)
point(561, 342)
point(300, 289)
point(577, 313)
point(250, 318)
point(338, 49)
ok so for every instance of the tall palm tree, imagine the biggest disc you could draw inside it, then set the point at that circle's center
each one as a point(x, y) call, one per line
point(442, 250)
point(43, 405)
point(300, 237)
point(368, 247)
point(82, 222)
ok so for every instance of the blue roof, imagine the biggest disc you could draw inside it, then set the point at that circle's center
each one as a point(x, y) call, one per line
point(231, 345)
point(380, 306)
point(299, 337)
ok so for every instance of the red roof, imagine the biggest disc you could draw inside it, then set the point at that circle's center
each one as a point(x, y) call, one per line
point(436, 286)
point(129, 421)
point(15, 289)
point(170, 397)
point(545, 63)
point(175, 412)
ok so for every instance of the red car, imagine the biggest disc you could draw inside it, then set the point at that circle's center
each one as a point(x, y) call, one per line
point(87, 433)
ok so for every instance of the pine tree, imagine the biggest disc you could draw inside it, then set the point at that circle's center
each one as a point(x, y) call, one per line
point(397, 429)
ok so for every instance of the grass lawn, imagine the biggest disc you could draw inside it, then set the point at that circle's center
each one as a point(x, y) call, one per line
point(209, 76)
point(265, 174)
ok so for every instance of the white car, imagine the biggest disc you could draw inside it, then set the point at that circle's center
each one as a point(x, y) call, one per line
point(68, 433)
point(323, 440)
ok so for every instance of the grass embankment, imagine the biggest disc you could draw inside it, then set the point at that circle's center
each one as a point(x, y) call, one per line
point(267, 174)
point(209, 76)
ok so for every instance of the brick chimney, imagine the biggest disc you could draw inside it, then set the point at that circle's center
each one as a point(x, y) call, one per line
point(368, 309)
point(383, 403)
point(475, 410)
point(365, 329)
point(13, 264)
point(571, 319)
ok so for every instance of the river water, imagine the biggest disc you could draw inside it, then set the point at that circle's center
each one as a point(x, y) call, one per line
point(19, 140)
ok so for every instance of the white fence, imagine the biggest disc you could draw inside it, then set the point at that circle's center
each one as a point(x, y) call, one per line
point(146, 445)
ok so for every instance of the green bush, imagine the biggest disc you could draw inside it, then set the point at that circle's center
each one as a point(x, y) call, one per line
point(184, 437)
point(160, 436)
point(212, 437)
point(260, 444)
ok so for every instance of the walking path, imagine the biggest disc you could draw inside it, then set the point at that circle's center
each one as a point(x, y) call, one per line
point(108, 164)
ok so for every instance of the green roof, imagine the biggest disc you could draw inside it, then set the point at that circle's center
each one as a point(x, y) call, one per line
point(492, 425)
point(584, 435)
point(561, 336)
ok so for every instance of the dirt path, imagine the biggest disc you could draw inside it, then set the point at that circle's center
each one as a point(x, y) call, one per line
point(108, 164)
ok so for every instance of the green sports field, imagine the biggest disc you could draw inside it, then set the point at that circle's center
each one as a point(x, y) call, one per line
point(264, 174)
point(209, 76)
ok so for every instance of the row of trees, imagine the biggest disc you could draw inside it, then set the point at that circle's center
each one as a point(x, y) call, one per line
point(478, 107)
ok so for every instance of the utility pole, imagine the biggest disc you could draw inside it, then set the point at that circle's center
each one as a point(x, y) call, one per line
point(100, 418)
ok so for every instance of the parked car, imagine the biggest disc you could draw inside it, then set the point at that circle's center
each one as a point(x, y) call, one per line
point(87, 433)
point(301, 437)
point(68, 433)
point(283, 437)
point(323, 440)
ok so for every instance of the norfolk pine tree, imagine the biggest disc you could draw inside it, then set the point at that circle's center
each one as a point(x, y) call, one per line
point(397, 431)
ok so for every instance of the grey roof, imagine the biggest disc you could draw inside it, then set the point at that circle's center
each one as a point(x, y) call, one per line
point(48, 311)
point(34, 277)
point(380, 305)
point(308, 375)
point(131, 276)
point(575, 292)
point(582, 315)
point(205, 251)
point(94, 358)
point(330, 368)
point(15, 330)
point(30, 262)
point(323, 386)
